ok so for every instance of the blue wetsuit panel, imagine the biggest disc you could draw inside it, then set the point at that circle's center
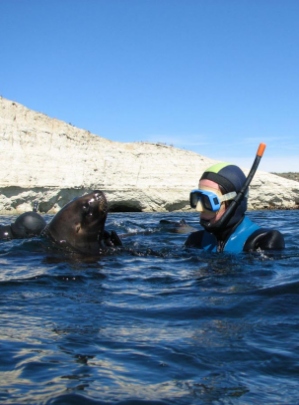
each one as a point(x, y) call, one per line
point(235, 242)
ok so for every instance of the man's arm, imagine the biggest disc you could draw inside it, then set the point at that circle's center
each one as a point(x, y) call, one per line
point(265, 239)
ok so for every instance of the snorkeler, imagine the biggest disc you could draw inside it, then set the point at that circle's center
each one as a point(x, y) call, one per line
point(26, 225)
point(221, 199)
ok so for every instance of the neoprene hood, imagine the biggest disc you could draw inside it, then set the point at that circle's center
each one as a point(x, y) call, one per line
point(231, 178)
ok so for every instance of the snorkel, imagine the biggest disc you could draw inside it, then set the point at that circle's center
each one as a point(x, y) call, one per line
point(235, 202)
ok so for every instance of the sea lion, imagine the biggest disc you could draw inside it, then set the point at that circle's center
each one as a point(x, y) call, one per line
point(80, 225)
point(176, 227)
point(165, 225)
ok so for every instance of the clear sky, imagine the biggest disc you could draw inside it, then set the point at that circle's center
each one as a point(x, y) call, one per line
point(213, 76)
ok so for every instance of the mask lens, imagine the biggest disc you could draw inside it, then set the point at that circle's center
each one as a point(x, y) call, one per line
point(206, 202)
point(194, 197)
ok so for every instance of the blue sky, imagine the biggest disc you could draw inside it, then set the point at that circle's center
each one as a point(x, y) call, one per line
point(213, 76)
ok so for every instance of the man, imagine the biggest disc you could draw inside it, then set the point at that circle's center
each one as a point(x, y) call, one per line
point(218, 186)
point(26, 225)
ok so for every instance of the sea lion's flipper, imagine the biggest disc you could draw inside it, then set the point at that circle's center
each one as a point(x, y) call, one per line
point(115, 239)
point(111, 239)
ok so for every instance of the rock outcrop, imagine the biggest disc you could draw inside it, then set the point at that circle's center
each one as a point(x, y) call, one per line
point(48, 161)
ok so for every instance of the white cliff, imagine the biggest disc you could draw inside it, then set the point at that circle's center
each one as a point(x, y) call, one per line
point(48, 161)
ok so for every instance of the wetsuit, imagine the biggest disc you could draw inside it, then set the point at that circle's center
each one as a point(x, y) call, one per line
point(245, 236)
point(26, 225)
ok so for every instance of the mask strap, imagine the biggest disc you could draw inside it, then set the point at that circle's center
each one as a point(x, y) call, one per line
point(228, 196)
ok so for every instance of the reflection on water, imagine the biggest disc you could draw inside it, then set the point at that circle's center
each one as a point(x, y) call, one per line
point(150, 323)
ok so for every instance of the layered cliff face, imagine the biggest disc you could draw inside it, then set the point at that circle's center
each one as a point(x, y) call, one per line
point(47, 161)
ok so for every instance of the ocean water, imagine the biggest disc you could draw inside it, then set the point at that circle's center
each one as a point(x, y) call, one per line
point(151, 323)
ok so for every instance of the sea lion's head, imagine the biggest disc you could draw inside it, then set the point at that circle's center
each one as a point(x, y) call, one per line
point(79, 225)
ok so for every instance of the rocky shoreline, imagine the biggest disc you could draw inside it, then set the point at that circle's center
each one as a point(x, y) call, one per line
point(49, 162)
point(289, 176)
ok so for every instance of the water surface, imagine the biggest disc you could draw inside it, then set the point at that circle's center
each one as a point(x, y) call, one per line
point(153, 323)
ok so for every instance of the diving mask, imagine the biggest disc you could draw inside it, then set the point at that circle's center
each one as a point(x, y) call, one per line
point(208, 199)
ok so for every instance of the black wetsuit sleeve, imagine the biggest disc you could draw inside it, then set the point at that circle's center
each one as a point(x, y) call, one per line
point(265, 239)
point(194, 239)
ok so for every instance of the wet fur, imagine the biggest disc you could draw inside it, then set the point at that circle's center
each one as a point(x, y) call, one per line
point(80, 225)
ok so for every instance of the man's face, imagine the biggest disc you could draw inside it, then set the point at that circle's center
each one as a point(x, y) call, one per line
point(209, 215)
